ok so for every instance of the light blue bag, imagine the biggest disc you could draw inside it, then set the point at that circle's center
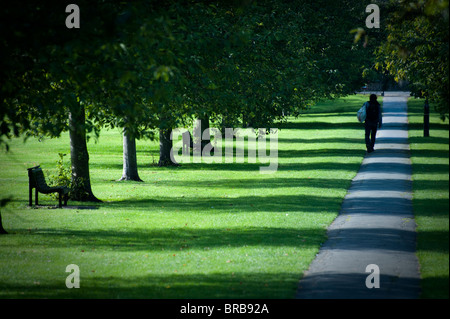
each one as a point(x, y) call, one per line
point(362, 113)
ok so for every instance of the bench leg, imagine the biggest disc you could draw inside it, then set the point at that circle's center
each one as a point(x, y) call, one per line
point(30, 196)
point(36, 201)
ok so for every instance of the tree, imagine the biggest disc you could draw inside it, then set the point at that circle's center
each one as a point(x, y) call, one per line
point(258, 62)
point(144, 66)
point(150, 86)
point(81, 182)
point(147, 65)
point(295, 57)
point(417, 49)
point(52, 74)
point(3, 203)
point(130, 171)
point(2, 230)
point(81, 79)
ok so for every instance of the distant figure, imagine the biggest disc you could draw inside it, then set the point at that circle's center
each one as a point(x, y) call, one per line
point(373, 121)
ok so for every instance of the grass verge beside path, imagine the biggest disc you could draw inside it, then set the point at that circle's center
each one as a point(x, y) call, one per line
point(195, 231)
point(430, 159)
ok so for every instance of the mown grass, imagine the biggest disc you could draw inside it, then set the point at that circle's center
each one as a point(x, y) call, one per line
point(195, 231)
point(430, 158)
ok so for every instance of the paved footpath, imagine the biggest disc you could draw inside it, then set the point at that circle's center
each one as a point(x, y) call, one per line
point(375, 226)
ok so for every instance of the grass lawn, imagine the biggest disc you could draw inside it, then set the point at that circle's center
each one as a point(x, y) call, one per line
point(195, 231)
point(430, 158)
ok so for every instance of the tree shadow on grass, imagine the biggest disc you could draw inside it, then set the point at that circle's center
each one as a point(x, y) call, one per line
point(181, 239)
point(432, 207)
point(435, 287)
point(258, 183)
point(226, 205)
point(255, 167)
point(235, 285)
point(430, 154)
point(432, 127)
point(428, 140)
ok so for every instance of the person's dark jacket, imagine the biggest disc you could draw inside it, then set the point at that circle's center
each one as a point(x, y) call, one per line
point(374, 114)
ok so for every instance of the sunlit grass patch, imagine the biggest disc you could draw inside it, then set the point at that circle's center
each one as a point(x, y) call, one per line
point(195, 231)
point(430, 158)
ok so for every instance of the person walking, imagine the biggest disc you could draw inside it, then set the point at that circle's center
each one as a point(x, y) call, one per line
point(373, 121)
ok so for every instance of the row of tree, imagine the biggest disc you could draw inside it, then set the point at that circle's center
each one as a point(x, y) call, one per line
point(149, 66)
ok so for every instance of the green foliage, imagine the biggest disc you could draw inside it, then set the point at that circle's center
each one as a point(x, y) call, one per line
point(417, 49)
point(262, 61)
point(143, 65)
point(62, 176)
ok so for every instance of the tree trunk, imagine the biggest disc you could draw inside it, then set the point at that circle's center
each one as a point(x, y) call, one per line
point(130, 170)
point(201, 125)
point(2, 230)
point(81, 182)
point(165, 147)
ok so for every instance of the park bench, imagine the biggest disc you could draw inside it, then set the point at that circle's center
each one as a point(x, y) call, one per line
point(36, 180)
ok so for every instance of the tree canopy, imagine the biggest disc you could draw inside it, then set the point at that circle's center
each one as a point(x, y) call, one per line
point(131, 61)
point(417, 48)
point(146, 65)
